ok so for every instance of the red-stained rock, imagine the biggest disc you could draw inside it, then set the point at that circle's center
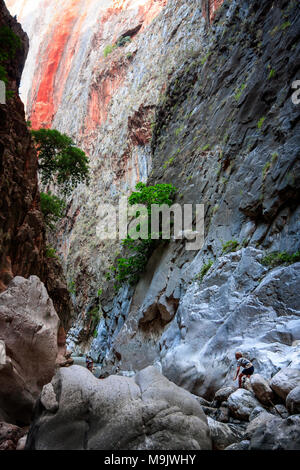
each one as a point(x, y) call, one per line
point(10, 435)
point(22, 231)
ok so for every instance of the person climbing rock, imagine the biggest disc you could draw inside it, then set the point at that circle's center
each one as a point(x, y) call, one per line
point(89, 363)
point(247, 370)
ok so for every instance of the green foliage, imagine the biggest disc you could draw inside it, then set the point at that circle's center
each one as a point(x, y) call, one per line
point(108, 49)
point(260, 122)
point(51, 252)
point(179, 131)
point(72, 287)
point(285, 25)
point(204, 58)
point(60, 162)
point(168, 162)
point(272, 74)
point(239, 92)
point(205, 268)
point(3, 75)
point(129, 269)
point(122, 41)
point(266, 169)
point(231, 245)
point(277, 258)
point(206, 147)
point(274, 156)
point(94, 314)
point(9, 45)
point(52, 208)
point(99, 293)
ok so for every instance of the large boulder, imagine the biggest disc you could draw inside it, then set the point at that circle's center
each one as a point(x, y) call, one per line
point(262, 389)
point(28, 327)
point(117, 413)
point(284, 381)
point(261, 419)
point(241, 403)
point(10, 436)
point(293, 401)
point(277, 434)
point(223, 393)
point(239, 306)
point(243, 445)
point(223, 434)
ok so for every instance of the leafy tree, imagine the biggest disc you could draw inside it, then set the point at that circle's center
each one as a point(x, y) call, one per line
point(129, 269)
point(52, 207)
point(60, 162)
point(9, 45)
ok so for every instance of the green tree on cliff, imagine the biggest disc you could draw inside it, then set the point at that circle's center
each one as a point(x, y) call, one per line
point(52, 208)
point(60, 163)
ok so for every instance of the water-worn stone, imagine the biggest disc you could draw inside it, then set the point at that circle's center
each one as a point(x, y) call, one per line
point(277, 434)
point(144, 412)
point(259, 420)
point(48, 398)
point(293, 401)
point(262, 389)
point(284, 381)
point(255, 412)
point(224, 434)
point(279, 410)
point(241, 403)
point(222, 413)
point(243, 445)
point(29, 326)
point(223, 394)
point(21, 443)
point(229, 311)
point(10, 435)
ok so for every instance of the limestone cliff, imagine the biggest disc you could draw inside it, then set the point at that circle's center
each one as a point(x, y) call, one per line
point(207, 107)
point(22, 233)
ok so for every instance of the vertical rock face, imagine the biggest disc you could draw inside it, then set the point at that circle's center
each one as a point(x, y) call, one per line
point(28, 327)
point(67, 47)
point(107, 104)
point(210, 110)
point(22, 233)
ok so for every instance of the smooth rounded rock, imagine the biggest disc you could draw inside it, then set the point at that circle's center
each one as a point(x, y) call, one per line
point(241, 403)
point(285, 381)
point(293, 401)
point(262, 389)
point(277, 434)
point(147, 412)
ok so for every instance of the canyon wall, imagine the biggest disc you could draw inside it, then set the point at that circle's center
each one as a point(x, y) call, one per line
point(23, 241)
point(208, 109)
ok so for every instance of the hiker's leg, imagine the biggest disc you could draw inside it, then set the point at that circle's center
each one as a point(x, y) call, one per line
point(240, 379)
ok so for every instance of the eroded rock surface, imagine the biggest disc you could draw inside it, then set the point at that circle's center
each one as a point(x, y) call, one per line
point(144, 412)
point(28, 327)
point(285, 381)
point(238, 306)
point(277, 434)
